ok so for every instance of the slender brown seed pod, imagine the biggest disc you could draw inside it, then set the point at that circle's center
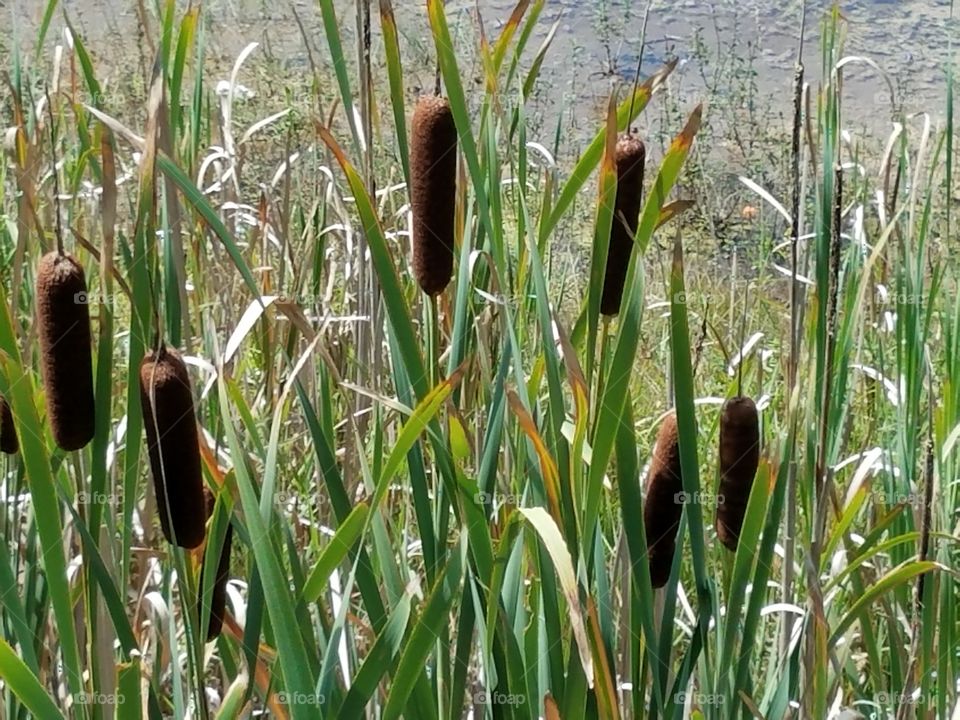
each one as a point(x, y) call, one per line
point(8, 433)
point(433, 192)
point(173, 445)
point(63, 321)
point(739, 458)
point(218, 599)
point(663, 505)
point(631, 158)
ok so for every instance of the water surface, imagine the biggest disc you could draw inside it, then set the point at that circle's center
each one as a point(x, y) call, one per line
point(721, 44)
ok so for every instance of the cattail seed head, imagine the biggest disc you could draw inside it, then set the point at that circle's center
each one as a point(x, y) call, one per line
point(173, 445)
point(8, 433)
point(739, 458)
point(631, 158)
point(63, 321)
point(218, 598)
point(433, 192)
point(663, 506)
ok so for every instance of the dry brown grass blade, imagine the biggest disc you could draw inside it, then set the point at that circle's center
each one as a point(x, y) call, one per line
point(25, 169)
point(548, 467)
point(575, 376)
point(604, 683)
point(115, 274)
point(108, 210)
point(165, 143)
point(550, 709)
point(672, 210)
point(262, 675)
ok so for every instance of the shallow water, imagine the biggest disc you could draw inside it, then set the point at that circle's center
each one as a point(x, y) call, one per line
point(597, 43)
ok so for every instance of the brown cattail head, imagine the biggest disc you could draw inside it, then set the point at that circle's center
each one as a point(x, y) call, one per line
point(739, 458)
point(631, 158)
point(218, 599)
point(433, 192)
point(663, 506)
point(63, 321)
point(8, 433)
point(173, 445)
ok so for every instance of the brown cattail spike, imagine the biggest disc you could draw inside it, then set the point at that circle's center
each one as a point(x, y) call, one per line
point(433, 192)
point(173, 445)
point(63, 321)
point(631, 158)
point(663, 506)
point(739, 458)
point(8, 433)
point(218, 599)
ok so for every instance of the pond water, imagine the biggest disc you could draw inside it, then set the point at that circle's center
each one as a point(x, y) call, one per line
point(597, 43)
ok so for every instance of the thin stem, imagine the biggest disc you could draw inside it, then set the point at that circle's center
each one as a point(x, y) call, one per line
point(56, 174)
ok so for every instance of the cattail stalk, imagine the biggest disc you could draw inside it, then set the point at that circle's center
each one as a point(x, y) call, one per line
point(63, 321)
point(631, 157)
point(663, 505)
point(433, 192)
point(9, 443)
point(739, 458)
point(173, 445)
point(218, 598)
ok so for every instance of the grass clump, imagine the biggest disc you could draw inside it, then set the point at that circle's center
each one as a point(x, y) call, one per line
point(434, 507)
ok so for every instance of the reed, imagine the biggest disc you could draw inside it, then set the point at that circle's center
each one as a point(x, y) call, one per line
point(739, 458)
point(663, 505)
point(173, 445)
point(9, 443)
point(433, 191)
point(631, 157)
point(218, 599)
point(63, 328)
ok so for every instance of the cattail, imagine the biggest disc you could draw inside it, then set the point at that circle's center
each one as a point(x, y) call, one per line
point(173, 445)
point(63, 319)
point(631, 158)
point(8, 434)
point(663, 506)
point(739, 457)
point(433, 192)
point(218, 599)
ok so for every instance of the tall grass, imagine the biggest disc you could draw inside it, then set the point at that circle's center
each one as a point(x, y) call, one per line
point(433, 507)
